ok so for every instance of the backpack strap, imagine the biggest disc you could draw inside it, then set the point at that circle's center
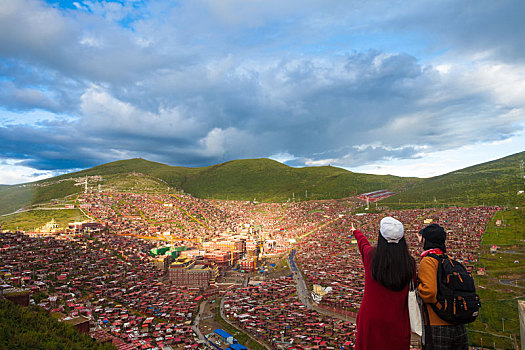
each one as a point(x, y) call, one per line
point(439, 258)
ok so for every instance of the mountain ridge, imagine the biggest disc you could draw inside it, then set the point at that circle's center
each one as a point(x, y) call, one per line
point(265, 179)
point(495, 182)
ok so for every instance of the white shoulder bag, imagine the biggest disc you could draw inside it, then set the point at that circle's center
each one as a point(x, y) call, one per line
point(414, 310)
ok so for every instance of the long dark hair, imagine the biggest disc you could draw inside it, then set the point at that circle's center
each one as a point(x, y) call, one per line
point(392, 265)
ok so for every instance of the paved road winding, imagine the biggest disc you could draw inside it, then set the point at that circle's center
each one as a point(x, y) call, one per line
point(196, 322)
point(304, 293)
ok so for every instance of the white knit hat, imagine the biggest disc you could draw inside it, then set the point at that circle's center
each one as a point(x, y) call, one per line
point(391, 229)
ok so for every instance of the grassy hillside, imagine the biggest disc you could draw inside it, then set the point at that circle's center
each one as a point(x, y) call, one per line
point(134, 175)
point(14, 197)
point(30, 220)
point(263, 179)
point(268, 180)
point(172, 175)
point(503, 285)
point(18, 196)
point(495, 183)
point(33, 328)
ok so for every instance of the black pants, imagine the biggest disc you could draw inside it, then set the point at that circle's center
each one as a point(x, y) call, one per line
point(448, 338)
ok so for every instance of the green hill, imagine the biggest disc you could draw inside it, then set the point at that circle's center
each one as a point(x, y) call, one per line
point(133, 174)
point(173, 175)
point(262, 179)
point(269, 180)
point(496, 183)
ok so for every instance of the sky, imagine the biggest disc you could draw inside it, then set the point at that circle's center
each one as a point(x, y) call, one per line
point(408, 88)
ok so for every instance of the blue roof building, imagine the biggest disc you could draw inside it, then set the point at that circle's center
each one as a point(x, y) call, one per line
point(227, 337)
point(222, 333)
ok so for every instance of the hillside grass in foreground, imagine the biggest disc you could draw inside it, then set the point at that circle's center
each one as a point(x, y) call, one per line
point(503, 285)
point(33, 328)
point(29, 220)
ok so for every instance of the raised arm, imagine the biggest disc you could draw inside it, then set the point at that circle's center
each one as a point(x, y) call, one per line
point(362, 242)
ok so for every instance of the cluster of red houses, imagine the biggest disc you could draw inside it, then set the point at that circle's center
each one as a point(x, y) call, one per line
point(108, 280)
point(272, 311)
point(330, 258)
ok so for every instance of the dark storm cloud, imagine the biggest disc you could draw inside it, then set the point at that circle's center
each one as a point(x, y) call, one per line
point(350, 110)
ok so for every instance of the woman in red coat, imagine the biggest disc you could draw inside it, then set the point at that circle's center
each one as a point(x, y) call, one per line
point(382, 321)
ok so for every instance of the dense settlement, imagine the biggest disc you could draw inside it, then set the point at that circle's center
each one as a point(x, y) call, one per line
point(143, 270)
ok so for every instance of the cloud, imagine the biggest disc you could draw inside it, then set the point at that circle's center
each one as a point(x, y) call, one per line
point(319, 162)
point(14, 172)
point(16, 98)
point(484, 29)
point(315, 109)
point(196, 83)
point(434, 163)
point(218, 143)
point(283, 157)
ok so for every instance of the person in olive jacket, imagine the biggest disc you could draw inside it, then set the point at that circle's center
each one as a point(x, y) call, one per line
point(444, 335)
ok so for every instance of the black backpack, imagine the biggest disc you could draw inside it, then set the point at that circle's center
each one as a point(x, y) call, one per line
point(457, 301)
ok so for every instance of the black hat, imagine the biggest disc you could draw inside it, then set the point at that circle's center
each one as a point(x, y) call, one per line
point(434, 233)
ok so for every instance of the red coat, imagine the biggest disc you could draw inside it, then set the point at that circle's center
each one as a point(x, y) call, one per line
point(382, 321)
